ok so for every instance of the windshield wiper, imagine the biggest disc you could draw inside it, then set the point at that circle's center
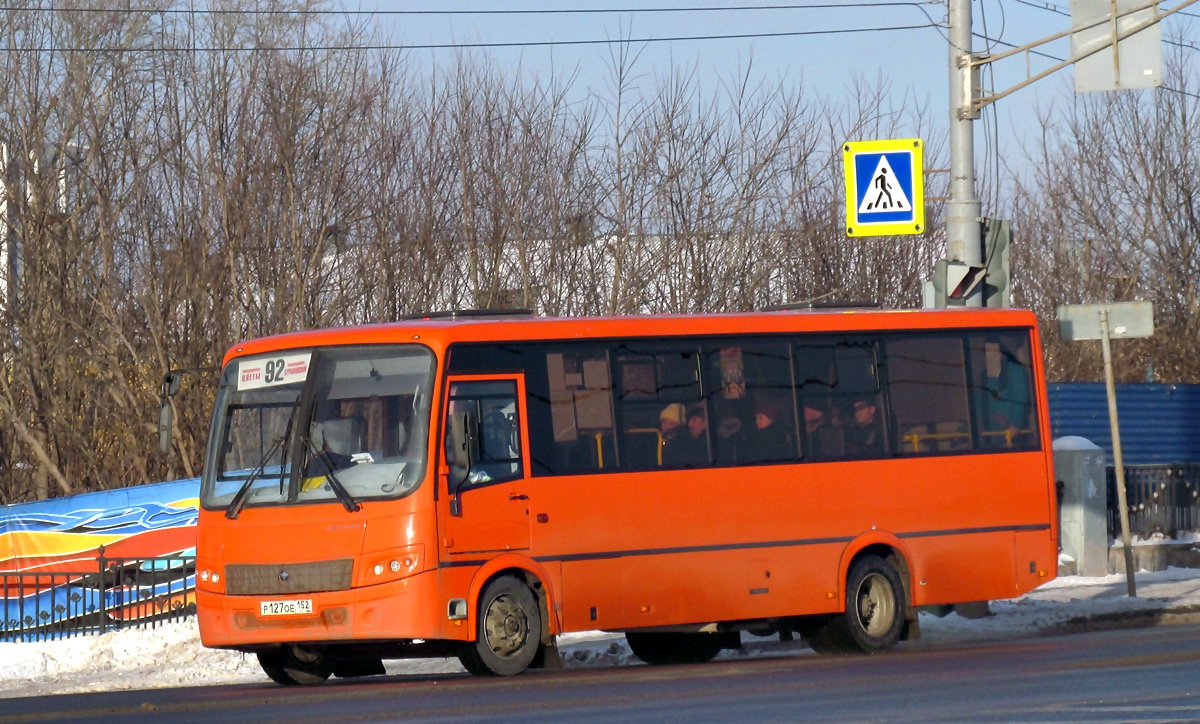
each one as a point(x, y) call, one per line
point(339, 490)
point(287, 443)
point(239, 498)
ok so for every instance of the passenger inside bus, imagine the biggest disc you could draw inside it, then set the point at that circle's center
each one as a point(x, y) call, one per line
point(864, 434)
point(335, 439)
point(1005, 397)
point(772, 440)
point(685, 436)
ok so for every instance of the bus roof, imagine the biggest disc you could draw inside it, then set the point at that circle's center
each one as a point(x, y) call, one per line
point(439, 332)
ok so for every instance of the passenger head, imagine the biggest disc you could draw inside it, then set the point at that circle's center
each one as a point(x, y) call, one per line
point(813, 418)
point(994, 354)
point(672, 417)
point(697, 420)
point(766, 412)
point(864, 411)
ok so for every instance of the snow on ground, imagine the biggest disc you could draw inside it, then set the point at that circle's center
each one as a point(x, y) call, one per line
point(171, 654)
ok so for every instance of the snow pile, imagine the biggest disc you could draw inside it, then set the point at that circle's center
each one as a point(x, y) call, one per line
point(171, 654)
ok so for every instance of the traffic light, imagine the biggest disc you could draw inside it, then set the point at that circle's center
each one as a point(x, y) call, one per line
point(996, 235)
point(953, 282)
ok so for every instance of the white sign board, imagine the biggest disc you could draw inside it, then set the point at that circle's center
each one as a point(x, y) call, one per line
point(1125, 320)
point(1138, 59)
point(282, 369)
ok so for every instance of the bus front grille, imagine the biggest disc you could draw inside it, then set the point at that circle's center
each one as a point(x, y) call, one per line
point(284, 578)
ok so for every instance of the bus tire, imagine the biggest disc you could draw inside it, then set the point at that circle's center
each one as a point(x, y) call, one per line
point(662, 649)
point(874, 616)
point(508, 633)
point(291, 666)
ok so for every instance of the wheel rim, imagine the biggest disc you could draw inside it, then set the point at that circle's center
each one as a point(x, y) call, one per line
point(876, 605)
point(506, 626)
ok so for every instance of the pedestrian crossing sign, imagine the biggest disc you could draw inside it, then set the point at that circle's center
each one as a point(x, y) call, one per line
point(885, 187)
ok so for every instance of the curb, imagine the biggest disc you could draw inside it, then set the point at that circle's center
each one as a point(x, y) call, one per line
point(1145, 618)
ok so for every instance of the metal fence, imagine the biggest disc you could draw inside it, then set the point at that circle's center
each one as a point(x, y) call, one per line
point(1163, 499)
point(113, 594)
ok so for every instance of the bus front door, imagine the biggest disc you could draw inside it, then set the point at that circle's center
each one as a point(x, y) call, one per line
point(487, 505)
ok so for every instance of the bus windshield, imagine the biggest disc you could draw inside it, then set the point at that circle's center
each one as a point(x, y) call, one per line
point(319, 426)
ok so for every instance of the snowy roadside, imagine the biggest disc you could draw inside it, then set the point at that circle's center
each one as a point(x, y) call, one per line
point(171, 655)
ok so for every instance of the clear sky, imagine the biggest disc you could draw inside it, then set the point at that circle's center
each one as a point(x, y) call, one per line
point(914, 60)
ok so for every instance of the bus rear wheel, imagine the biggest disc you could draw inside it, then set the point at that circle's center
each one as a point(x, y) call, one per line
point(659, 649)
point(874, 616)
point(295, 666)
point(509, 630)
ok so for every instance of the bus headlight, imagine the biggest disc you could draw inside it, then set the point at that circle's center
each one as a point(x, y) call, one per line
point(392, 565)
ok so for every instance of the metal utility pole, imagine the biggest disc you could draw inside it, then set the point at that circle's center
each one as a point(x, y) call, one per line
point(1118, 460)
point(963, 209)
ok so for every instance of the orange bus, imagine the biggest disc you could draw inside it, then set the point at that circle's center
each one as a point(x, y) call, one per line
point(471, 485)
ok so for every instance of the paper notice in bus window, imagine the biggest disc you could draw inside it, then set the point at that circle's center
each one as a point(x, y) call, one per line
point(272, 371)
point(554, 372)
point(593, 408)
point(595, 374)
point(733, 376)
point(562, 415)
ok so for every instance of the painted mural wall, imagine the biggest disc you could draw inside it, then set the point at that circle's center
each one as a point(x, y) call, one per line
point(116, 554)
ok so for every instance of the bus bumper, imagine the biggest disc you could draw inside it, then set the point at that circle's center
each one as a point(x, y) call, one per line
point(410, 608)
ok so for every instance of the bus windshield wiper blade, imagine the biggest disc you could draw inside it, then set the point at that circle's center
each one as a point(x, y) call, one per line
point(339, 490)
point(287, 442)
point(239, 498)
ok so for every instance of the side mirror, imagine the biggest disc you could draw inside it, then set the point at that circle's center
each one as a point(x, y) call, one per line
point(166, 420)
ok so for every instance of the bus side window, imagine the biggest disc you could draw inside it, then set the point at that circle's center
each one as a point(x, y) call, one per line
point(749, 390)
point(841, 402)
point(663, 420)
point(927, 386)
point(1002, 391)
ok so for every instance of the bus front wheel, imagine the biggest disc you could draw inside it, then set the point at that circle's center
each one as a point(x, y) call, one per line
point(874, 615)
point(509, 630)
point(294, 666)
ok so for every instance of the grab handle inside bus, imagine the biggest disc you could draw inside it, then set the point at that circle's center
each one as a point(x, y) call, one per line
point(463, 450)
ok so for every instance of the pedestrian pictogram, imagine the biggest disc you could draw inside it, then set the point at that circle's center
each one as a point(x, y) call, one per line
point(885, 193)
point(884, 187)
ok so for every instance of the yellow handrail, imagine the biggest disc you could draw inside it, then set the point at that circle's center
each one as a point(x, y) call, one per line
point(647, 431)
point(915, 439)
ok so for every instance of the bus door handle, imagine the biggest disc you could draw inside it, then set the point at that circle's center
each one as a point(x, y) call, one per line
point(518, 496)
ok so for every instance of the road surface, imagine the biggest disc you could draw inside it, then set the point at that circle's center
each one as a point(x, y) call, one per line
point(1149, 674)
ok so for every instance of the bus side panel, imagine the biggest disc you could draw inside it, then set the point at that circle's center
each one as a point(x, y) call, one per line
point(955, 569)
point(1037, 560)
point(685, 546)
point(592, 595)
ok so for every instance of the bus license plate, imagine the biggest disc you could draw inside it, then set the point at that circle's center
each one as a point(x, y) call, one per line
point(286, 608)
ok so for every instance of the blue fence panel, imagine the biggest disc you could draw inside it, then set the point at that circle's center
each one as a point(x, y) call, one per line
point(1160, 424)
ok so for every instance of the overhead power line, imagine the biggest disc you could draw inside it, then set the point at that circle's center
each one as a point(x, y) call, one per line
point(446, 46)
point(1044, 6)
point(997, 41)
point(502, 11)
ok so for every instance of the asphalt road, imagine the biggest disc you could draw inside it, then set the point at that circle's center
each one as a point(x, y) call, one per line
point(1133, 675)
